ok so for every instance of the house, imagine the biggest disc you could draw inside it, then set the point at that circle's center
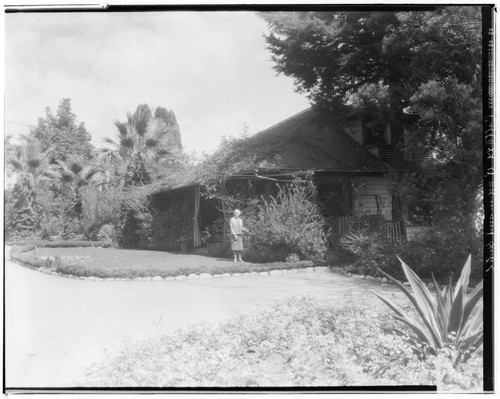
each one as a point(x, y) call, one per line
point(351, 178)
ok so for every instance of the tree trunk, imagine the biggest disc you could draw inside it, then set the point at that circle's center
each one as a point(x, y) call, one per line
point(397, 154)
point(396, 125)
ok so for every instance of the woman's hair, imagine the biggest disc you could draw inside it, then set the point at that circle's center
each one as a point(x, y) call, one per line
point(237, 212)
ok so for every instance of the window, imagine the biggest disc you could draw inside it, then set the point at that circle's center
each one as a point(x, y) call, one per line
point(373, 131)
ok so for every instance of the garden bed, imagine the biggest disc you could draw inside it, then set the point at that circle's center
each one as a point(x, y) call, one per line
point(295, 343)
point(101, 262)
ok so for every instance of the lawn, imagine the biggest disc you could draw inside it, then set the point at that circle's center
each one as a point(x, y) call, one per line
point(127, 263)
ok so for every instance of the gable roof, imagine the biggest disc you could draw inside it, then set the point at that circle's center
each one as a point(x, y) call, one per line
point(307, 141)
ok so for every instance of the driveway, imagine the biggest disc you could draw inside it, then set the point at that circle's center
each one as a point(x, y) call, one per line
point(56, 327)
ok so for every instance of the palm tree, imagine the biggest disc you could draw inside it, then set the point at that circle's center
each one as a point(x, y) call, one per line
point(139, 145)
point(27, 162)
point(70, 177)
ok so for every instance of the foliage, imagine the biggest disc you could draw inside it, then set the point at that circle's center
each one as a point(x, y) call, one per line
point(53, 263)
point(101, 205)
point(52, 227)
point(23, 213)
point(147, 144)
point(220, 250)
point(60, 134)
point(22, 223)
point(299, 342)
point(172, 215)
point(450, 128)
point(366, 246)
point(383, 65)
point(450, 318)
point(107, 235)
point(289, 223)
point(23, 209)
point(438, 253)
point(335, 56)
point(134, 224)
point(292, 258)
point(68, 179)
point(336, 255)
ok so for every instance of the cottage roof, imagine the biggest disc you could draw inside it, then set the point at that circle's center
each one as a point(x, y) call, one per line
point(307, 141)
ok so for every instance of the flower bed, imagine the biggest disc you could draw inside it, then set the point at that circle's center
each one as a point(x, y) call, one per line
point(296, 343)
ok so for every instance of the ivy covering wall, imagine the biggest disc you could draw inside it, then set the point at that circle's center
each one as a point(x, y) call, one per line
point(172, 219)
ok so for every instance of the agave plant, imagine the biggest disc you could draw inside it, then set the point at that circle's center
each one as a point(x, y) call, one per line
point(446, 319)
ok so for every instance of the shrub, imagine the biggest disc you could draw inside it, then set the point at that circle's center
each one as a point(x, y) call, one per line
point(338, 256)
point(53, 227)
point(292, 258)
point(366, 246)
point(219, 249)
point(289, 223)
point(134, 227)
point(439, 253)
point(450, 318)
point(53, 263)
point(72, 228)
point(107, 235)
point(23, 213)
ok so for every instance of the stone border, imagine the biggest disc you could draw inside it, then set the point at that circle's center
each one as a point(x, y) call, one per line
point(191, 276)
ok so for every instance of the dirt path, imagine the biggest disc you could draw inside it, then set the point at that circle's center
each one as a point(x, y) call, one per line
point(56, 327)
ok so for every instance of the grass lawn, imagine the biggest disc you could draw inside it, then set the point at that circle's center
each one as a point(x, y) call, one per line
point(127, 263)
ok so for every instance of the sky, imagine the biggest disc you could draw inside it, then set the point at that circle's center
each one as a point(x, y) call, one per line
point(212, 69)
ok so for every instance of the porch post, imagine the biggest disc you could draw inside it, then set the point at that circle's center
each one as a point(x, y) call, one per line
point(196, 226)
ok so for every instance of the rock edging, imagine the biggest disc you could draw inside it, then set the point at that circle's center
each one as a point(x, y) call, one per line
point(191, 276)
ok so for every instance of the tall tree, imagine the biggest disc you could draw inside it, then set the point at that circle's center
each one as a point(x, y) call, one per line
point(23, 209)
point(70, 177)
point(335, 56)
point(393, 64)
point(62, 135)
point(145, 142)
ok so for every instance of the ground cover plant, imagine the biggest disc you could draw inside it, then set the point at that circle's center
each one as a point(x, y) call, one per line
point(123, 263)
point(296, 342)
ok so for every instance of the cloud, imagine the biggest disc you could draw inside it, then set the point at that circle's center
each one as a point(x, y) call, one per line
point(211, 68)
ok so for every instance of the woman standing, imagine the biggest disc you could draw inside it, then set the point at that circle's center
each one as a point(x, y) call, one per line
point(236, 224)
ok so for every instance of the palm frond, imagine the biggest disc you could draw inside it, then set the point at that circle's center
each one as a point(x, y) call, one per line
point(76, 167)
point(66, 177)
point(127, 143)
point(110, 141)
point(91, 172)
point(122, 128)
point(163, 152)
point(151, 143)
point(16, 164)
